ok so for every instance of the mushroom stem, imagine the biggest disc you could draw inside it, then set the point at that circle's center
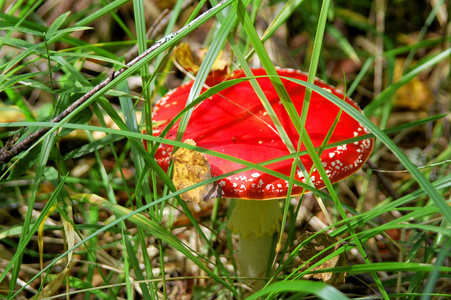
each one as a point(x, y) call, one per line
point(255, 222)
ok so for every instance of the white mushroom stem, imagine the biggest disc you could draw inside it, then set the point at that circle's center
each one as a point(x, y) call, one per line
point(255, 221)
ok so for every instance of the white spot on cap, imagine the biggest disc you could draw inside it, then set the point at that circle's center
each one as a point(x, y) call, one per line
point(299, 173)
point(255, 175)
point(269, 187)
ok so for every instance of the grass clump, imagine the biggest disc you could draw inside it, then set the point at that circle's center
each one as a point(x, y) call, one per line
point(85, 211)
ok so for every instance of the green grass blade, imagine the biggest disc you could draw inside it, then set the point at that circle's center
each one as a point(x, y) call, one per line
point(381, 98)
point(304, 287)
point(213, 51)
point(25, 239)
point(419, 177)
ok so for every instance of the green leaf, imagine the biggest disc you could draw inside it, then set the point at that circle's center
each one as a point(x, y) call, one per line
point(57, 24)
point(81, 118)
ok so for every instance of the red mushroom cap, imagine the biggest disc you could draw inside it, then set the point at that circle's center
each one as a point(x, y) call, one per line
point(234, 122)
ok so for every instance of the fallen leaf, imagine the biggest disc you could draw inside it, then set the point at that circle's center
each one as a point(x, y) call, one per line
point(10, 114)
point(41, 237)
point(315, 246)
point(191, 167)
point(186, 58)
point(53, 286)
point(191, 60)
point(69, 230)
point(415, 95)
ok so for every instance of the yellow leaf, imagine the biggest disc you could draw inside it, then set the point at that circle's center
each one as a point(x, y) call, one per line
point(10, 113)
point(191, 167)
point(191, 61)
point(69, 231)
point(415, 95)
point(186, 58)
point(41, 237)
point(53, 286)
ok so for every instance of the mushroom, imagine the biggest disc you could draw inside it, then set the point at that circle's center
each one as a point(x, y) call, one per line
point(234, 122)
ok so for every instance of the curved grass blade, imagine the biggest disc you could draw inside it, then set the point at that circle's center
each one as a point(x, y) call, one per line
point(305, 287)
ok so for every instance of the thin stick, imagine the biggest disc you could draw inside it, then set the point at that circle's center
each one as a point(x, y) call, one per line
point(8, 152)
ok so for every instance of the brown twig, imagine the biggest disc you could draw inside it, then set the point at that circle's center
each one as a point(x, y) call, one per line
point(7, 153)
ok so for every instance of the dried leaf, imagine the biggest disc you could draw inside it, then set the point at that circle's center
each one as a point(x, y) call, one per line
point(191, 61)
point(191, 167)
point(69, 230)
point(415, 95)
point(186, 58)
point(41, 237)
point(318, 244)
point(10, 114)
point(53, 286)
point(220, 66)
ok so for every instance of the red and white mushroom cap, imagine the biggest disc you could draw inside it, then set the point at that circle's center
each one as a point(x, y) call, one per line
point(234, 122)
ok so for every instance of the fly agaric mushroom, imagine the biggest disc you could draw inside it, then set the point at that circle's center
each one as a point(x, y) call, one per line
point(234, 122)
